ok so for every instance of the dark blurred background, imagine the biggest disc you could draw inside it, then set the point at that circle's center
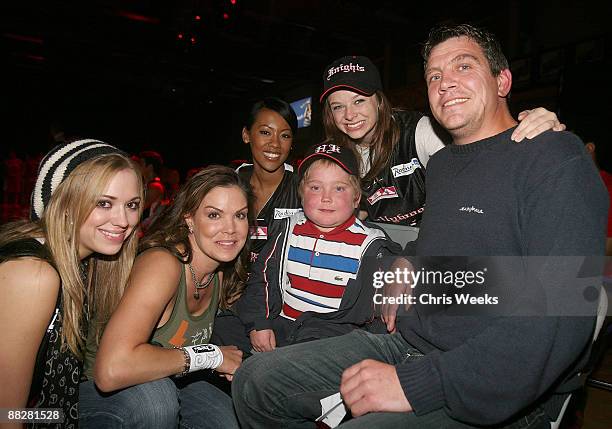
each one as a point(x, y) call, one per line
point(176, 76)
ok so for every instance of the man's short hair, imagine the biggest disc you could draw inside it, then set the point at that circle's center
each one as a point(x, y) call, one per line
point(487, 41)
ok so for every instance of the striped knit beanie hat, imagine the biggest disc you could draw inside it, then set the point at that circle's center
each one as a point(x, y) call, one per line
point(58, 164)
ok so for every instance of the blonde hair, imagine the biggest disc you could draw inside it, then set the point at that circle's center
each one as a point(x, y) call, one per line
point(18, 230)
point(69, 207)
point(353, 180)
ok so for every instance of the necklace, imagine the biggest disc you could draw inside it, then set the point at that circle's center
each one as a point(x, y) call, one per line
point(197, 284)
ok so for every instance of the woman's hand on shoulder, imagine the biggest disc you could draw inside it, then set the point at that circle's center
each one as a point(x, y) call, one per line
point(30, 288)
point(534, 122)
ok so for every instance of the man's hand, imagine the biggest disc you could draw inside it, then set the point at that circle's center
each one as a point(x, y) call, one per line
point(373, 386)
point(232, 359)
point(263, 341)
point(535, 122)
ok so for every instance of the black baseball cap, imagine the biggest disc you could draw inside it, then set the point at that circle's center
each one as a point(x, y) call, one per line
point(341, 155)
point(354, 73)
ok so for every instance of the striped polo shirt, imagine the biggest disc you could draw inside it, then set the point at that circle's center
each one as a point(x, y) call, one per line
point(319, 266)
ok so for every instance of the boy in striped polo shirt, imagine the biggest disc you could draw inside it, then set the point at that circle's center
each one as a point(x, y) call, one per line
point(314, 277)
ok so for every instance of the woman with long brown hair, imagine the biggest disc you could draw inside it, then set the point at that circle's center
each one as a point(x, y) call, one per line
point(71, 263)
point(192, 262)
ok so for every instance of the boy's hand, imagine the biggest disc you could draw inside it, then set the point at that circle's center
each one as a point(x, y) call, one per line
point(232, 358)
point(263, 341)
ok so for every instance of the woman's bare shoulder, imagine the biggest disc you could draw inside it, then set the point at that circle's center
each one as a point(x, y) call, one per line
point(32, 274)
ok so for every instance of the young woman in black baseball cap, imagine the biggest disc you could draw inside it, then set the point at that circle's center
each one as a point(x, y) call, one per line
point(393, 145)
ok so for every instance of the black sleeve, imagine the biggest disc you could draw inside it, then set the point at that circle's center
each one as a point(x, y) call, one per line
point(261, 301)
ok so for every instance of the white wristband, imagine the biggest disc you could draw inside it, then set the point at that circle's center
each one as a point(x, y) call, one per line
point(205, 356)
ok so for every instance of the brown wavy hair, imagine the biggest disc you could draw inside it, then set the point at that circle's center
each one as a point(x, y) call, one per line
point(169, 230)
point(385, 136)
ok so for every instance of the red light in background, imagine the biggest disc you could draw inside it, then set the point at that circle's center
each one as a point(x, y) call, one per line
point(24, 38)
point(197, 17)
point(38, 58)
point(233, 1)
point(138, 17)
point(225, 15)
point(179, 36)
point(193, 40)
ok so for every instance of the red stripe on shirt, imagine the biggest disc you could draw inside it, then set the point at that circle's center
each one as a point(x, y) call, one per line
point(316, 287)
point(338, 236)
point(347, 237)
point(291, 312)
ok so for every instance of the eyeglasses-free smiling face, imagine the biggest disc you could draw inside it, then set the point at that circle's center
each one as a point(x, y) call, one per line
point(270, 138)
point(354, 114)
point(220, 224)
point(463, 93)
point(328, 198)
point(113, 218)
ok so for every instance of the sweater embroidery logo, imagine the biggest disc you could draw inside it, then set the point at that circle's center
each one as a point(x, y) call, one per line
point(406, 169)
point(471, 209)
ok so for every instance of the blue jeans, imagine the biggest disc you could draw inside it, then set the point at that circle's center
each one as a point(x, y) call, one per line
point(282, 389)
point(156, 404)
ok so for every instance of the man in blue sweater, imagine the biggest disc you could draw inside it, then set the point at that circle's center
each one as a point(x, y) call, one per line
point(449, 366)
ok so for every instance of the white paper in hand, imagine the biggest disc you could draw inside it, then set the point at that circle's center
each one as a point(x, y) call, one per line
point(332, 410)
